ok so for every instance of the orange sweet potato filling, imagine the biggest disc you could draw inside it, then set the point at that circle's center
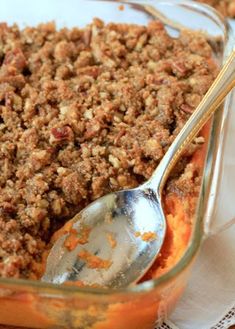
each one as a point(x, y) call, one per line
point(74, 238)
point(179, 223)
point(146, 236)
point(93, 261)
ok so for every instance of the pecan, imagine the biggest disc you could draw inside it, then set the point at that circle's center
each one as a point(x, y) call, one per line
point(15, 58)
point(179, 67)
point(86, 37)
point(187, 108)
point(119, 136)
point(92, 71)
point(61, 134)
point(8, 207)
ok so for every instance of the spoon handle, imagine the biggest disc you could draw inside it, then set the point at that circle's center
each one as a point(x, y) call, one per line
point(222, 85)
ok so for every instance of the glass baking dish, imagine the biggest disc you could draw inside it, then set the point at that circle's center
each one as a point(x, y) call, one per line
point(34, 304)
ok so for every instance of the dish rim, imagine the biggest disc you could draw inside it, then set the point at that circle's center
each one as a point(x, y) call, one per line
point(202, 208)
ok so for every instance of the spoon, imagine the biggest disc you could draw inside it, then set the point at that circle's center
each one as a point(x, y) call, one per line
point(123, 231)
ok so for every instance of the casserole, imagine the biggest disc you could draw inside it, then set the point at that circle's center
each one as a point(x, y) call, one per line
point(70, 307)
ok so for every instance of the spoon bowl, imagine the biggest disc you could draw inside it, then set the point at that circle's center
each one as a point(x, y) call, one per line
point(124, 234)
point(127, 228)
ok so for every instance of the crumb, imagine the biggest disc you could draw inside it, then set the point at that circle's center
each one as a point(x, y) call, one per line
point(111, 239)
point(137, 234)
point(108, 218)
point(77, 237)
point(146, 236)
point(149, 236)
point(93, 261)
point(121, 7)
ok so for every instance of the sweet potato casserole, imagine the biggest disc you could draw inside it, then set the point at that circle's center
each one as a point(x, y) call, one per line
point(88, 111)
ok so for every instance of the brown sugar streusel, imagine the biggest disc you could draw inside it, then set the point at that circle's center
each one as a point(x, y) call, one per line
point(84, 112)
point(225, 7)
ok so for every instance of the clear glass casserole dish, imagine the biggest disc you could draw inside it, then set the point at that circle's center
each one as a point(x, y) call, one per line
point(34, 304)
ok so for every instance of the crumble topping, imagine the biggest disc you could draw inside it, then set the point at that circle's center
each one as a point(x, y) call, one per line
point(84, 112)
point(225, 7)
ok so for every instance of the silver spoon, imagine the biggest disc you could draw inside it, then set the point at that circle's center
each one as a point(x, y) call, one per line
point(127, 228)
